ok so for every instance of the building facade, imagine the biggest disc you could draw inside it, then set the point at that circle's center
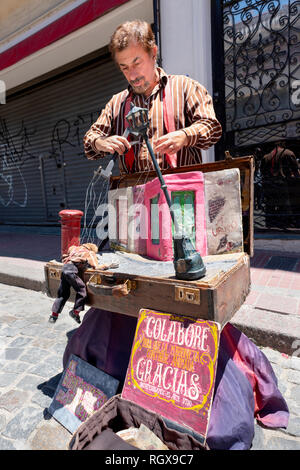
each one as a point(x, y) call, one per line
point(56, 75)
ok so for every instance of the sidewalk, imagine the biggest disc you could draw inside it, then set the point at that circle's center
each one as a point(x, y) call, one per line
point(270, 315)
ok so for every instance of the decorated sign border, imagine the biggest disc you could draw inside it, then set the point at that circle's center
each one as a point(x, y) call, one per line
point(172, 367)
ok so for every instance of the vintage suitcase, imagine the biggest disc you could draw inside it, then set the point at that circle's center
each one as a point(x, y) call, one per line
point(140, 282)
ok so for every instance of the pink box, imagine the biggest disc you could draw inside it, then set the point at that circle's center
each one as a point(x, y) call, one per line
point(187, 195)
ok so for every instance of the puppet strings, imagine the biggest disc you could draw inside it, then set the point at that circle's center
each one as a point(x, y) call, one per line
point(92, 203)
point(89, 234)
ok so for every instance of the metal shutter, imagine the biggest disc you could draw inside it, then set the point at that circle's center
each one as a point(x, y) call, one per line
point(50, 120)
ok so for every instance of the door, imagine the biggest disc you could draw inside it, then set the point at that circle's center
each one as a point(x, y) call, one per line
point(256, 70)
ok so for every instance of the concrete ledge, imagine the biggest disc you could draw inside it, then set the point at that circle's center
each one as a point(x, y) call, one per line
point(26, 283)
point(269, 329)
point(283, 245)
point(24, 273)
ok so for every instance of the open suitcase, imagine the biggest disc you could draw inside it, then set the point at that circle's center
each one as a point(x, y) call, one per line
point(140, 282)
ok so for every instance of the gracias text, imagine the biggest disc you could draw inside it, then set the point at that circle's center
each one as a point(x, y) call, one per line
point(166, 376)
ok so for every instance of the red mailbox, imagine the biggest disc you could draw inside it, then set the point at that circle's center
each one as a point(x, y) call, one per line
point(70, 228)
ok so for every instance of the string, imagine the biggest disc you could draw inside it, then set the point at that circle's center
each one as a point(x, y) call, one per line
point(89, 233)
point(90, 198)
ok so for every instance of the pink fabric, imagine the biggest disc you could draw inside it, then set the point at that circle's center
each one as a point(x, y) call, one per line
point(169, 120)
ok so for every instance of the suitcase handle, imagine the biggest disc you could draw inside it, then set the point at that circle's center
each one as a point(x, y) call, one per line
point(96, 286)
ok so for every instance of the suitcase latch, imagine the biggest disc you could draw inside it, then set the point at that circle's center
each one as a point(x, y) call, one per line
point(187, 294)
point(108, 285)
point(54, 273)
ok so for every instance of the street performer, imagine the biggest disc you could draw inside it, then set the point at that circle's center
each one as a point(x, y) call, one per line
point(181, 114)
point(182, 123)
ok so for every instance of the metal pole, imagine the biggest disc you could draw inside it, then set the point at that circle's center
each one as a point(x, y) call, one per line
point(162, 182)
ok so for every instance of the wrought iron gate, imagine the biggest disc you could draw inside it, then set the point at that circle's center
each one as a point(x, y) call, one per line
point(257, 96)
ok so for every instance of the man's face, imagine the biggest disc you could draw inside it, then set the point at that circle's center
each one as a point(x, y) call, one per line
point(138, 67)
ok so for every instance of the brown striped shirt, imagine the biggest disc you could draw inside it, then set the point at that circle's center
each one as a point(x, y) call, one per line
point(193, 112)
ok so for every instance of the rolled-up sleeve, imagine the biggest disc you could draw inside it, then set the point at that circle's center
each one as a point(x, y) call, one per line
point(204, 130)
point(101, 128)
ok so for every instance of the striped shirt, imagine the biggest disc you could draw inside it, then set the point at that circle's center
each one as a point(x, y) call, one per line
point(193, 113)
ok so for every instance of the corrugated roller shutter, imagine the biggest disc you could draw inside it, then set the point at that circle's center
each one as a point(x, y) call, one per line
point(43, 168)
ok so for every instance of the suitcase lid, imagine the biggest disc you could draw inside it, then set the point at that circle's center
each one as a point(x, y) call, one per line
point(244, 164)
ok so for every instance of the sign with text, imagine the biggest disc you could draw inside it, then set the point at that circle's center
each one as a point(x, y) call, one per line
point(172, 367)
point(81, 391)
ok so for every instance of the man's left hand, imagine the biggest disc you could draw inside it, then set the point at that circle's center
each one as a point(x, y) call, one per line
point(170, 143)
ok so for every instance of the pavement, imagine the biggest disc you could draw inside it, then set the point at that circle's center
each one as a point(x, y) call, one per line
point(31, 352)
point(31, 349)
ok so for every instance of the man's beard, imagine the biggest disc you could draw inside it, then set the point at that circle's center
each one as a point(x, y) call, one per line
point(140, 89)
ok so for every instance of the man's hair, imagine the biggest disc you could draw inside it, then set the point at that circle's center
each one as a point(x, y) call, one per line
point(136, 31)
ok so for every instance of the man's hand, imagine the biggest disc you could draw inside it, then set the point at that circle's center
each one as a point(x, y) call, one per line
point(112, 144)
point(170, 143)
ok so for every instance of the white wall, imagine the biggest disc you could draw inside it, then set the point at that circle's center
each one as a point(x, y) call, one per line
point(186, 43)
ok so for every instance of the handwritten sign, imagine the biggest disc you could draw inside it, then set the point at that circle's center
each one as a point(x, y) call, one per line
point(81, 391)
point(172, 367)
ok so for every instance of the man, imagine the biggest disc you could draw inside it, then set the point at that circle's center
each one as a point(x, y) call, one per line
point(280, 162)
point(180, 126)
point(105, 338)
point(280, 174)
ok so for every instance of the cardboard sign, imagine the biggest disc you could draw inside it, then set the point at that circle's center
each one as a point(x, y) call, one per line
point(172, 368)
point(81, 391)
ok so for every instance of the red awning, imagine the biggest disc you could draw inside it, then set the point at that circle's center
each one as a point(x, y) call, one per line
point(75, 19)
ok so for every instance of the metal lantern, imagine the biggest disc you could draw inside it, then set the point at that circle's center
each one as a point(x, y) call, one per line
point(138, 121)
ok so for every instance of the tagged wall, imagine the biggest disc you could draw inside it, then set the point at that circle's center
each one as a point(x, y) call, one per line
point(43, 168)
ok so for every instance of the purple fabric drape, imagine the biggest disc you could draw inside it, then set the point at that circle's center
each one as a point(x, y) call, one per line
point(246, 386)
